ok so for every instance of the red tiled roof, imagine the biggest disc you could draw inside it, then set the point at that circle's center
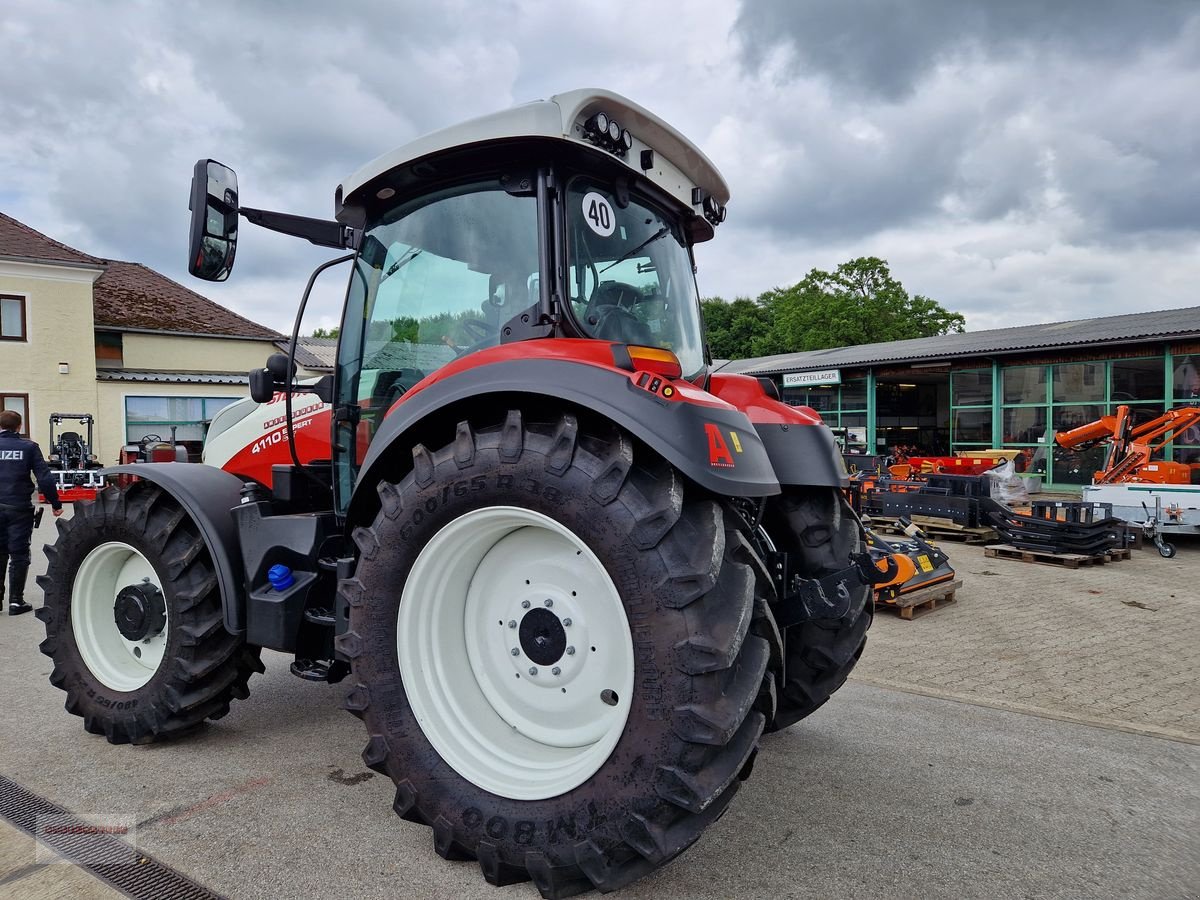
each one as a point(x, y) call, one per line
point(130, 295)
point(19, 241)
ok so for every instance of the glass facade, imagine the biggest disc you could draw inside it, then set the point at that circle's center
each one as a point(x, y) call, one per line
point(844, 404)
point(1019, 406)
point(1039, 401)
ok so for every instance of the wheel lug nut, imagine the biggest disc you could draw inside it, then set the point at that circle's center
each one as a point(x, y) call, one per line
point(570, 651)
point(515, 651)
point(549, 603)
point(556, 670)
point(566, 623)
point(512, 623)
point(533, 670)
point(524, 604)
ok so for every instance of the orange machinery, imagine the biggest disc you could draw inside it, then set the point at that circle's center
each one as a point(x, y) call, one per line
point(1131, 450)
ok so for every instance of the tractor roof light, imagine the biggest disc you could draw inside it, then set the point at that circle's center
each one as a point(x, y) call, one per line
point(713, 210)
point(601, 129)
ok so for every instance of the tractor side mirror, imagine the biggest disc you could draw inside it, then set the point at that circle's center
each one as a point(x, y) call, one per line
point(214, 205)
point(262, 385)
point(274, 376)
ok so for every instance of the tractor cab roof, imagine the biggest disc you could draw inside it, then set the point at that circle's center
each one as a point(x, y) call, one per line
point(673, 163)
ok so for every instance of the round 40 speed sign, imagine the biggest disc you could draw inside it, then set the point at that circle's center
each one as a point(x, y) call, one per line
point(598, 213)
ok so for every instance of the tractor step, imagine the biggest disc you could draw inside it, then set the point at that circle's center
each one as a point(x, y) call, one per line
point(320, 617)
point(331, 671)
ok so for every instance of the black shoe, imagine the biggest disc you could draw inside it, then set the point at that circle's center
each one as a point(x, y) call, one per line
point(17, 607)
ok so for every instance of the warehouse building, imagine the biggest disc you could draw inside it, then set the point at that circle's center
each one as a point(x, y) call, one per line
point(1008, 387)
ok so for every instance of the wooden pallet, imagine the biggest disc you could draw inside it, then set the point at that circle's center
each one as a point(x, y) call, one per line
point(952, 532)
point(1115, 555)
point(1046, 558)
point(923, 599)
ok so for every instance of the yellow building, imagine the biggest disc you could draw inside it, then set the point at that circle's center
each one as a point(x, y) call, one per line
point(138, 351)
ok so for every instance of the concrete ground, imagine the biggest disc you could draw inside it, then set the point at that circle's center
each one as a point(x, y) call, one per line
point(890, 790)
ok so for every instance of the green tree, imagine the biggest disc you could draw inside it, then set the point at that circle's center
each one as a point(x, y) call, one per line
point(860, 303)
point(732, 327)
point(327, 332)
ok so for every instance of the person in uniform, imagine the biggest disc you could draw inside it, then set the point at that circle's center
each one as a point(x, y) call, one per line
point(19, 459)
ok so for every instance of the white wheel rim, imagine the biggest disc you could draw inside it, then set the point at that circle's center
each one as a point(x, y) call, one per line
point(507, 722)
point(115, 661)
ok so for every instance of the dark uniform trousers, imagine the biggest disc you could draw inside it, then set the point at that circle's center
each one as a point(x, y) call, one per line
point(21, 464)
point(16, 531)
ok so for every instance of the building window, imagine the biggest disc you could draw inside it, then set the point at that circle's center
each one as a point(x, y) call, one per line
point(17, 403)
point(12, 318)
point(1137, 379)
point(109, 350)
point(188, 416)
point(1079, 383)
point(1186, 381)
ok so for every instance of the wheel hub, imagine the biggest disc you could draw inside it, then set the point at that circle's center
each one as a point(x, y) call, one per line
point(119, 616)
point(547, 687)
point(140, 611)
point(542, 636)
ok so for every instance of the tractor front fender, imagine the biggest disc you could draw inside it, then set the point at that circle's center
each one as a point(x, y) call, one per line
point(207, 494)
point(709, 441)
point(803, 451)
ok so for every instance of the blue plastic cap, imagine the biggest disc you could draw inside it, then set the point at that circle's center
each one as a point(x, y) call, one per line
point(280, 577)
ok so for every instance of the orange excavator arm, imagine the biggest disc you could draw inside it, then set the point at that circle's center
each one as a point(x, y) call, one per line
point(1130, 448)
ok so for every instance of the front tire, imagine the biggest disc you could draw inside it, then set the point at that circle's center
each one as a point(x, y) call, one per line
point(819, 528)
point(134, 620)
point(576, 770)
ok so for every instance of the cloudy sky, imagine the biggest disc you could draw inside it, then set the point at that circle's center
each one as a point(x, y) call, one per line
point(1019, 162)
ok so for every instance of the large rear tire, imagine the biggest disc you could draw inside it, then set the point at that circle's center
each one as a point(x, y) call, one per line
point(496, 556)
point(819, 528)
point(134, 621)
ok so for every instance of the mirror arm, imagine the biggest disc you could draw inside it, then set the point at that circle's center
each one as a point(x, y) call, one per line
point(321, 232)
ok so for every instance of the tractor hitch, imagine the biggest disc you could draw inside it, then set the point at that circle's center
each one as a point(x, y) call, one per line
point(828, 598)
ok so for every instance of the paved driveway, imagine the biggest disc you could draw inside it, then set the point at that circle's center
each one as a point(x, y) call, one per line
point(882, 793)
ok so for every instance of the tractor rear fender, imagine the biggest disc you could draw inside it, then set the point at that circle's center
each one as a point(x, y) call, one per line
point(207, 494)
point(802, 450)
point(709, 441)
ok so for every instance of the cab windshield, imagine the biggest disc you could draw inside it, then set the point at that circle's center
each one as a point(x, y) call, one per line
point(434, 280)
point(631, 275)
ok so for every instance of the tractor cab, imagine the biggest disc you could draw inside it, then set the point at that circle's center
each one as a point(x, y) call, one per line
point(572, 217)
point(569, 218)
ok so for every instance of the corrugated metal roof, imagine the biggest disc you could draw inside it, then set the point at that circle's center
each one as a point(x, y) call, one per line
point(171, 377)
point(313, 353)
point(1129, 328)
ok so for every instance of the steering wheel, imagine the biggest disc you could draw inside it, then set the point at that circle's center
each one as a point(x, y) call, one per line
point(150, 439)
point(477, 329)
point(479, 333)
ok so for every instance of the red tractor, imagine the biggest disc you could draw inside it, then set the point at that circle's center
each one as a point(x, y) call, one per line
point(569, 574)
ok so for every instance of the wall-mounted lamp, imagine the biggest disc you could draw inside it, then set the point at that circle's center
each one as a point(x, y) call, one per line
point(64, 368)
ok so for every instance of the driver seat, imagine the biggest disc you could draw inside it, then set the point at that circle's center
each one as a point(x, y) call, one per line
point(609, 314)
point(70, 446)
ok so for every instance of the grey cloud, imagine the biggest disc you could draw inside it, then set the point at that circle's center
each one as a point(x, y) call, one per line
point(885, 47)
point(1041, 121)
